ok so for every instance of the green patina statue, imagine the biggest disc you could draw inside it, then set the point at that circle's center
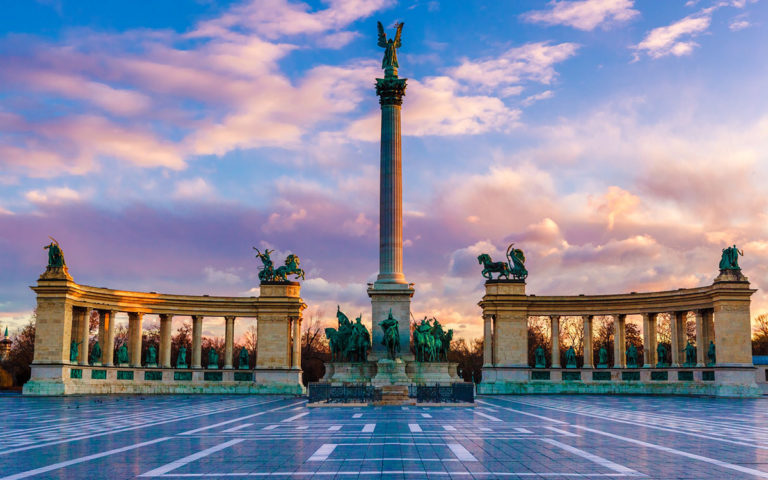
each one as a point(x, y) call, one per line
point(269, 273)
point(602, 357)
point(351, 341)
point(181, 360)
point(242, 359)
point(431, 343)
point(690, 355)
point(570, 358)
point(95, 357)
point(213, 358)
point(55, 254)
point(73, 351)
point(711, 355)
point(391, 338)
point(540, 357)
point(661, 356)
point(514, 267)
point(631, 356)
point(122, 355)
point(730, 258)
point(389, 62)
point(151, 357)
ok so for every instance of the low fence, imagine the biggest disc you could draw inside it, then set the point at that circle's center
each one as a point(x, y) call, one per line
point(320, 392)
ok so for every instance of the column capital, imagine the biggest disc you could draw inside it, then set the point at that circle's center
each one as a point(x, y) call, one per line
point(390, 90)
point(165, 315)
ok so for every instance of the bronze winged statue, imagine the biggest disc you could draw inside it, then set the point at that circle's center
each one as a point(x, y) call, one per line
point(389, 63)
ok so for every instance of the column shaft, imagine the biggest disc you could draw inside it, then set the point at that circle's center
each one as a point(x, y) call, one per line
point(229, 338)
point(619, 342)
point(649, 340)
point(675, 318)
point(390, 203)
point(554, 323)
point(495, 344)
point(487, 341)
point(296, 360)
point(164, 353)
point(134, 346)
point(107, 336)
point(197, 341)
point(701, 340)
point(85, 337)
point(588, 362)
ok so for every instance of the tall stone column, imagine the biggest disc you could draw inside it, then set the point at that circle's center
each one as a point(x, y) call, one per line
point(588, 354)
point(391, 292)
point(165, 340)
point(619, 340)
point(554, 324)
point(229, 338)
point(701, 341)
point(649, 340)
point(197, 341)
point(134, 329)
point(107, 336)
point(296, 356)
point(81, 321)
point(487, 341)
point(675, 319)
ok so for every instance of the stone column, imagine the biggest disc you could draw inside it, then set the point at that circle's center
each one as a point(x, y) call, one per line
point(554, 323)
point(165, 340)
point(619, 340)
point(229, 338)
point(487, 341)
point(107, 336)
point(85, 337)
point(588, 354)
point(649, 340)
point(80, 333)
point(496, 340)
point(701, 341)
point(197, 341)
point(134, 345)
point(675, 318)
point(296, 356)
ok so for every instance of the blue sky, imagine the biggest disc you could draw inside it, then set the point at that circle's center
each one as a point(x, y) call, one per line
point(620, 143)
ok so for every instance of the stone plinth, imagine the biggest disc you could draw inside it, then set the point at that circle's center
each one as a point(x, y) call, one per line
point(390, 372)
point(432, 372)
point(386, 297)
point(349, 372)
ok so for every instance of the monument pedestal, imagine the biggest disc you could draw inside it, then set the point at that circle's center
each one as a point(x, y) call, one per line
point(426, 373)
point(349, 372)
point(397, 298)
point(390, 372)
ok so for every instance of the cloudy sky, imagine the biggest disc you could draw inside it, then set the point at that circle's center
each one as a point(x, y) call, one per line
point(622, 144)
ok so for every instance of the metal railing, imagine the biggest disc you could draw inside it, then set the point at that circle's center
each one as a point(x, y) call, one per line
point(463, 392)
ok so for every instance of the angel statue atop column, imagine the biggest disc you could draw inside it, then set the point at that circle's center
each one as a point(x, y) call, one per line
point(389, 63)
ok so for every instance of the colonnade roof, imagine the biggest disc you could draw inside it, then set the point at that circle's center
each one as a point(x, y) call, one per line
point(281, 297)
point(682, 299)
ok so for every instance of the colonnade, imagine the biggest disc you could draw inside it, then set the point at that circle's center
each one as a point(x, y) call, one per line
point(106, 338)
point(705, 332)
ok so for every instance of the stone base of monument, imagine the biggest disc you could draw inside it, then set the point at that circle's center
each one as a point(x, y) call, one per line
point(432, 372)
point(390, 372)
point(395, 395)
point(349, 372)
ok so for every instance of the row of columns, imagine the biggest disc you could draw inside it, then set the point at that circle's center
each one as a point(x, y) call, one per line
point(704, 333)
point(106, 338)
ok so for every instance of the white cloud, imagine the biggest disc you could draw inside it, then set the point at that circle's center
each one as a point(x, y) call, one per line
point(739, 23)
point(677, 38)
point(192, 189)
point(533, 62)
point(53, 196)
point(226, 277)
point(539, 96)
point(585, 14)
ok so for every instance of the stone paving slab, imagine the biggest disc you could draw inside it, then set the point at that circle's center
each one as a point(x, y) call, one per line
point(524, 437)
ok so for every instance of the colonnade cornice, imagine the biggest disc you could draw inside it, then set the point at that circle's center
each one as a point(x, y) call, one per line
point(158, 303)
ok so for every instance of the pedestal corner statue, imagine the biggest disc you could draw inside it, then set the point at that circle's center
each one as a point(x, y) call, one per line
point(268, 273)
point(514, 266)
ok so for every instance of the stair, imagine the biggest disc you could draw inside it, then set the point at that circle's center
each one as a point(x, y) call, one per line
point(395, 395)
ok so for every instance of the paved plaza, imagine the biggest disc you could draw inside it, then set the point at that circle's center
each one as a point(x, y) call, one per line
point(279, 437)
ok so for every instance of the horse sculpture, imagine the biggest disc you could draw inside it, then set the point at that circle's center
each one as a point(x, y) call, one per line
point(291, 267)
point(515, 266)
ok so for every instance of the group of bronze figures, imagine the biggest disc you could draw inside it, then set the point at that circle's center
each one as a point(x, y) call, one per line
point(431, 342)
point(351, 341)
point(514, 266)
point(150, 358)
point(540, 359)
point(268, 272)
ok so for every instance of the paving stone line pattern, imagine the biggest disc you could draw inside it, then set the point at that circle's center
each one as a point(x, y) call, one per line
point(552, 437)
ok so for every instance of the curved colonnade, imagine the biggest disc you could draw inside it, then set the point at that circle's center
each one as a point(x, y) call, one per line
point(63, 312)
point(721, 312)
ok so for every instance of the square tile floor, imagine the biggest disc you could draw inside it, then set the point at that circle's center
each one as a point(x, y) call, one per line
point(525, 437)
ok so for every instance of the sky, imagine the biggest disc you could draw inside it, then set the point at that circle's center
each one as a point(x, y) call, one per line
point(621, 144)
